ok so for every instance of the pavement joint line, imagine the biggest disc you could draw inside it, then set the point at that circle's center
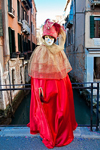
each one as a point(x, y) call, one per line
point(80, 132)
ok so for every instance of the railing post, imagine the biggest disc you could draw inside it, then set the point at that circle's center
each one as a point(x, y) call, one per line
point(91, 121)
point(97, 113)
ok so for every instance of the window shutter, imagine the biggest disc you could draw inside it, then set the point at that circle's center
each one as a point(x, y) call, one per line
point(13, 40)
point(91, 26)
point(19, 47)
point(8, 5)
point(20, 43)
point(18, 9)
point(10, 40)
point(1, 28)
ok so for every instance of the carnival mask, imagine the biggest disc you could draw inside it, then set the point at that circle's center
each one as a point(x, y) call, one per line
point(49, 40)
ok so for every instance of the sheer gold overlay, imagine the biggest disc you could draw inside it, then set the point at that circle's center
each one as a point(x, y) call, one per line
point(49, 62)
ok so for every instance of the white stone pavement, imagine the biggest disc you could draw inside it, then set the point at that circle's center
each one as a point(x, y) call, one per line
point(80, 132)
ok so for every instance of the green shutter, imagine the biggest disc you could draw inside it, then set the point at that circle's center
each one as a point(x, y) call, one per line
point(91, 26)
point(13, 41)
point(1, 26)
point(10, 40)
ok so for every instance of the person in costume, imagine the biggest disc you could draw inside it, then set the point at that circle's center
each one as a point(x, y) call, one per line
point(52, 107)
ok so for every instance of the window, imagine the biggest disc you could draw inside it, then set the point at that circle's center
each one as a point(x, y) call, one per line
point(25, 15)
point(13, 78)
point(27, 18)
point(96, 68)
point(32, 28)
point(22, 13)
point(97, 27)
point(18, 9)
point(9, 5)
point(35, 17)
point(1, 27)
point(26, 74)
point(69, 37)
point(11, 40)
point(11, 11)
point(19, 43)
point(94, 27)
point(21, 70)
point(33, 12)
point(25, 45)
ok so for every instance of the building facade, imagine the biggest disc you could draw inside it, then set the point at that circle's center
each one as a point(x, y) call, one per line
point(17, 41)
point(83, 39)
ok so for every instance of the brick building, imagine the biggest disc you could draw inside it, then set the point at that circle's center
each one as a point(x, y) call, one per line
point(17, 41)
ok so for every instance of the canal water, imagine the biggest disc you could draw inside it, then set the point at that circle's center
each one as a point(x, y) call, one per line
point(82, 111)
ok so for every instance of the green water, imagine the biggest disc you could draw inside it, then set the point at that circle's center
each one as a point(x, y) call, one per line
point(82, 111)
point(21, 115)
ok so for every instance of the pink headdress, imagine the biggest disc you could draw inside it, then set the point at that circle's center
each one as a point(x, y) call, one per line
point(51, 28)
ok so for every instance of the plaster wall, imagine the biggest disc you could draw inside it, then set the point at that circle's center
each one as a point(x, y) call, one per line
point(91, 42)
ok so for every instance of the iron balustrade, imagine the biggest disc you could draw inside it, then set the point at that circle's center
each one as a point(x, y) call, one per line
point(77, 86)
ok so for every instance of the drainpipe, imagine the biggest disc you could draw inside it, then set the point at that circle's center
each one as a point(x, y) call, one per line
point(74, 36)
point(75, 25)
point(31, 29)
point(84, 35)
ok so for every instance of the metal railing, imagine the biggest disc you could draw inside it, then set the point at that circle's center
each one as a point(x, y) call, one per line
point(77, 86)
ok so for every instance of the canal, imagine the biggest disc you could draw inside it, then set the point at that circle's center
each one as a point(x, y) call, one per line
point(82, 111)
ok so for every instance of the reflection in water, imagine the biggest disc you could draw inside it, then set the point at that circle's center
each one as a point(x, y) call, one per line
point(22, 113)
point(82, 111)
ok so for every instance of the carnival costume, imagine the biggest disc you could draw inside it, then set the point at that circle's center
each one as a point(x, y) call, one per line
point(52, 107)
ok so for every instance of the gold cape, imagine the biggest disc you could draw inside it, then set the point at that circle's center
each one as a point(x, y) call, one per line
point(49, 62)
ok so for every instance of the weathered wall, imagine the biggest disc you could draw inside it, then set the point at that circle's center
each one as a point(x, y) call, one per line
point(77, 54)
point(14, 63)
point(2, 105)
point(80, 5)
point(7, 79)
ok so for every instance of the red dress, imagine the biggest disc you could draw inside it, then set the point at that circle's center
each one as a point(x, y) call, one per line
point(55, 119)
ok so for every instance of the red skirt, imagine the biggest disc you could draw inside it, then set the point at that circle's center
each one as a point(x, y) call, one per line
point(55, 119)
